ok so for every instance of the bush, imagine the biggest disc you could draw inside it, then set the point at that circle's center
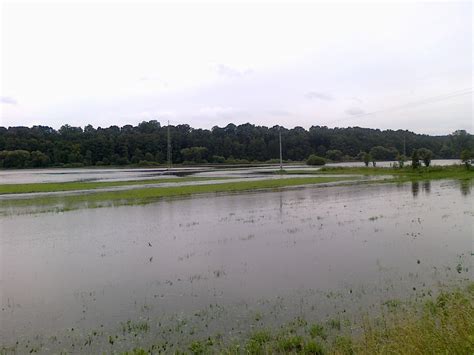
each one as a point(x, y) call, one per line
point(401, 160)
point(367, 158)
point(218, 159)
point(415, 160)
point(466, 158)
point(425, 155)
point(334, 154)
point(315, 160)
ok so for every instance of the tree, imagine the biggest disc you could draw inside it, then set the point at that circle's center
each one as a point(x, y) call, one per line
point(425, 155)
point(39, 159)
point(461, 140)
point(401, 160)
point(415, 159)
point(334, 154)
point(194, 154)
point(382, 153)
point(466, 158)
point(315, 160)
point(119, 145)
point(367, 158)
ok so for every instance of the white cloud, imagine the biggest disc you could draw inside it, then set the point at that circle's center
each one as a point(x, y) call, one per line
point(319, 95)
point(192, 62)
point(355, 111)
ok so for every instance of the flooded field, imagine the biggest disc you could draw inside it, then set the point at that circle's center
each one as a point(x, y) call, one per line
point(112, 278)
point(27, 176)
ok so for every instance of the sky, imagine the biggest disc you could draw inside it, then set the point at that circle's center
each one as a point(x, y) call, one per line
point(404, 65)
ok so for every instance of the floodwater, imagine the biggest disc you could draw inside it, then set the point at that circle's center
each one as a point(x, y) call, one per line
point(194, 267)
point(26, 176)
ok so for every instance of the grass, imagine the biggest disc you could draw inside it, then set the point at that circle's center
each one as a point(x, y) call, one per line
point(439, 325)
point(82, 185)
point(442, 324)
point(400, 175)
point(146, 195)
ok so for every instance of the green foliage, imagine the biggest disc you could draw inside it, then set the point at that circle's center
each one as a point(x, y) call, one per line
point(381, 153)
point(314, 348)
point(236, 144)
point(88, 185)
point(415, 159)
point(334, 324)
point(218, 159)
point(334, 154)
point(315, 160)
point(466, 157)
point(367, 158)
point(425, 155)
point(291, 343)
point(317, 330)
point(194, 154)
point(147, 195)
point(401, 160)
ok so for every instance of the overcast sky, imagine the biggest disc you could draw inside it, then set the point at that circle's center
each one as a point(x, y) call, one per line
point(387, 66)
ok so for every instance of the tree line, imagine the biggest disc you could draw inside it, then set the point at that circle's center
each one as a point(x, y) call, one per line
point(146, 144)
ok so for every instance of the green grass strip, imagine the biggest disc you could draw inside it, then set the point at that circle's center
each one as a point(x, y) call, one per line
point(400, 175)
point(87, 185)
point(139, 196)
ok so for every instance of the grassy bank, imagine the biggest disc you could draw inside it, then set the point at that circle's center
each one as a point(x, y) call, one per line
point(440, 325)
point(145, 195)
point(89, 185)
point(399, 174)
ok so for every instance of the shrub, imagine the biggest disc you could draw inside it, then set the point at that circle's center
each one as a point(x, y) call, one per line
point(415, 160)
point(425, 155)
point(315, 160)
point(466, 158)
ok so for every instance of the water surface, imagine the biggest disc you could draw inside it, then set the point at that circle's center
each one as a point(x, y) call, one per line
point(214, 262)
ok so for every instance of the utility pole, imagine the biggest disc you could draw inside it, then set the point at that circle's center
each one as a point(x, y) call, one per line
point(169, 147)
point(281, 156)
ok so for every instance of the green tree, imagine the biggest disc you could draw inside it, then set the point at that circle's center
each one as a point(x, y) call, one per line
point(401, 160)
point(466, 158)
point(39, 159)
point(415, 159)
point(315, 160)
point(425, 155)
point(367, 158)
point(194, 154)
point(334, 154)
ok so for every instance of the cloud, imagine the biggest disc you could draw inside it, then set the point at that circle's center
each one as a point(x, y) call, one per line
point(216, 110)
point(225, 70)
point(354, 111)
point(8, 100)
point(319, 95)
point(279, 112)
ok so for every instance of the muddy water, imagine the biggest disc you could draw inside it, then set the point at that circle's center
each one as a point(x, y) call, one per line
point(26, 176)
point(316, 252)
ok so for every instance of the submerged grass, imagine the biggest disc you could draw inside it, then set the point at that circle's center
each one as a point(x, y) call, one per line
point(423, 173)
point(89, 185)
point(146, 195)
point(439, 325)
point(400, 174)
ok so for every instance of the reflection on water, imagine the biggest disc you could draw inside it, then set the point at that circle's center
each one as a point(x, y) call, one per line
point(25, 176)
point(229, 257)
point(465, 186)
point(415, 188)
point(426, 186)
